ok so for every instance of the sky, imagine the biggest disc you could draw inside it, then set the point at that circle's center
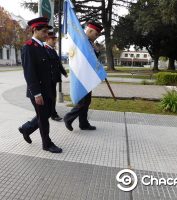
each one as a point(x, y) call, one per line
point(15, 7)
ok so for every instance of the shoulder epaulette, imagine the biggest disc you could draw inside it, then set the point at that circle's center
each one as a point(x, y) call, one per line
point(31, 43)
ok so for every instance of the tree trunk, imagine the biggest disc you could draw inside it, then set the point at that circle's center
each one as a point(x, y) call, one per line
point(156, 63)
point(106, 20)
point(109, 53)
point(171, 64)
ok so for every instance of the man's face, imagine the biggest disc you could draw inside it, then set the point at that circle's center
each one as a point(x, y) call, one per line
point(41, 34)
point(92, 34)
point(51, 42)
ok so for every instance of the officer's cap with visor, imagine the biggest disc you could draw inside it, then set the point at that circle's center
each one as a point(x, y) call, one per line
point(52, 35)
point(95, 25)
point(39, 22)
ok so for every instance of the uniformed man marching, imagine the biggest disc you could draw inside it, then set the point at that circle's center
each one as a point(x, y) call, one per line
point(93, 31)
point(38, 75)
point(57, 70)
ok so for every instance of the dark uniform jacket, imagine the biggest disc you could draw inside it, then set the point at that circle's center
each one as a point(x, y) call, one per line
point(97, 53)
point(37, 69)
point(57, 67)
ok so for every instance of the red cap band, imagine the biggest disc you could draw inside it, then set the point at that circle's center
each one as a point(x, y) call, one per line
point(94, 27)
point(39, 23)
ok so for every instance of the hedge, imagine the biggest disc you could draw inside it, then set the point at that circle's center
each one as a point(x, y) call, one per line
point(166, 78)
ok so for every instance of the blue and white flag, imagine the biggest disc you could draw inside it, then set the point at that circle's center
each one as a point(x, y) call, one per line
point(86, 72)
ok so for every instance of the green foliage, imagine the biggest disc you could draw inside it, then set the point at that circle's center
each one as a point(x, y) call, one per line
point(169, 101)
point(32, 6)
point(166, 78)
point(163, 58)
point(168, 11)
point(145, 82)
point(140, 106)
point(151, 24)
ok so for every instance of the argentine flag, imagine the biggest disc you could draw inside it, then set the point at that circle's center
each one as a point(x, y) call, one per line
point(86, 72)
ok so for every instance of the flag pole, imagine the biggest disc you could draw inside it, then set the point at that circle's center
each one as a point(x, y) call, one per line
point(107, 82)
point(60, 4)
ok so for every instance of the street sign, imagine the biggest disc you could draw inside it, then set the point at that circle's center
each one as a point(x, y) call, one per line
point(46, 9)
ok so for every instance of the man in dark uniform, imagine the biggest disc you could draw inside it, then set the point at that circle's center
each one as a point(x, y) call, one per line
point(93, 31)
point(38, 75)
point(57, 69)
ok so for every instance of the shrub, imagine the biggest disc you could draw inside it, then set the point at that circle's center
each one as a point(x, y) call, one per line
point(146, 82)
point(169, 101)
point(166, 78)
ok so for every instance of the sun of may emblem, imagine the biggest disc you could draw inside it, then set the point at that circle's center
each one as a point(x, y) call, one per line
point(71, 52)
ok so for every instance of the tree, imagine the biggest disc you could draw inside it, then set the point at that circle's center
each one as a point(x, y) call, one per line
point(168, 11)
point(18, 36)
point(11, 33)
point(159, 23)
point(126, 34)
point(5, 27)
point(105, 12)
point(145, 27)
point(102, 10)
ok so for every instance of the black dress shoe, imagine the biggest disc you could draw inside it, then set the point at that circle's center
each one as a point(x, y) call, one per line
point(25, 135)
point(56, 118)
point(90, 128)
point(53, 149)
point(68, 125)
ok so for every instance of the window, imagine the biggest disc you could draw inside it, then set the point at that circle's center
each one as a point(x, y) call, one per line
point(126, 55)
point(131, 55)
point(145, 55)
point(1, 54)
point(137, 55)
point(8, 54)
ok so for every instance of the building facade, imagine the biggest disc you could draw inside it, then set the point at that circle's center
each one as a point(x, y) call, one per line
point(128, 58)
point(8, 56)
point(135, 58)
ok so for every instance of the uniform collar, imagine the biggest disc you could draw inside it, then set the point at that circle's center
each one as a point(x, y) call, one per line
point(38, 41)
point(48, 46)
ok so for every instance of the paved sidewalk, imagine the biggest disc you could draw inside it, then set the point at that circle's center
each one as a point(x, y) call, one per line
point(87, 168)
point(10, 68)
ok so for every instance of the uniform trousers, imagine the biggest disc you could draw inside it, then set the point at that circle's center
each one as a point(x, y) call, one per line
point(80, 110)
point(41, 121)
point(54, 91)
